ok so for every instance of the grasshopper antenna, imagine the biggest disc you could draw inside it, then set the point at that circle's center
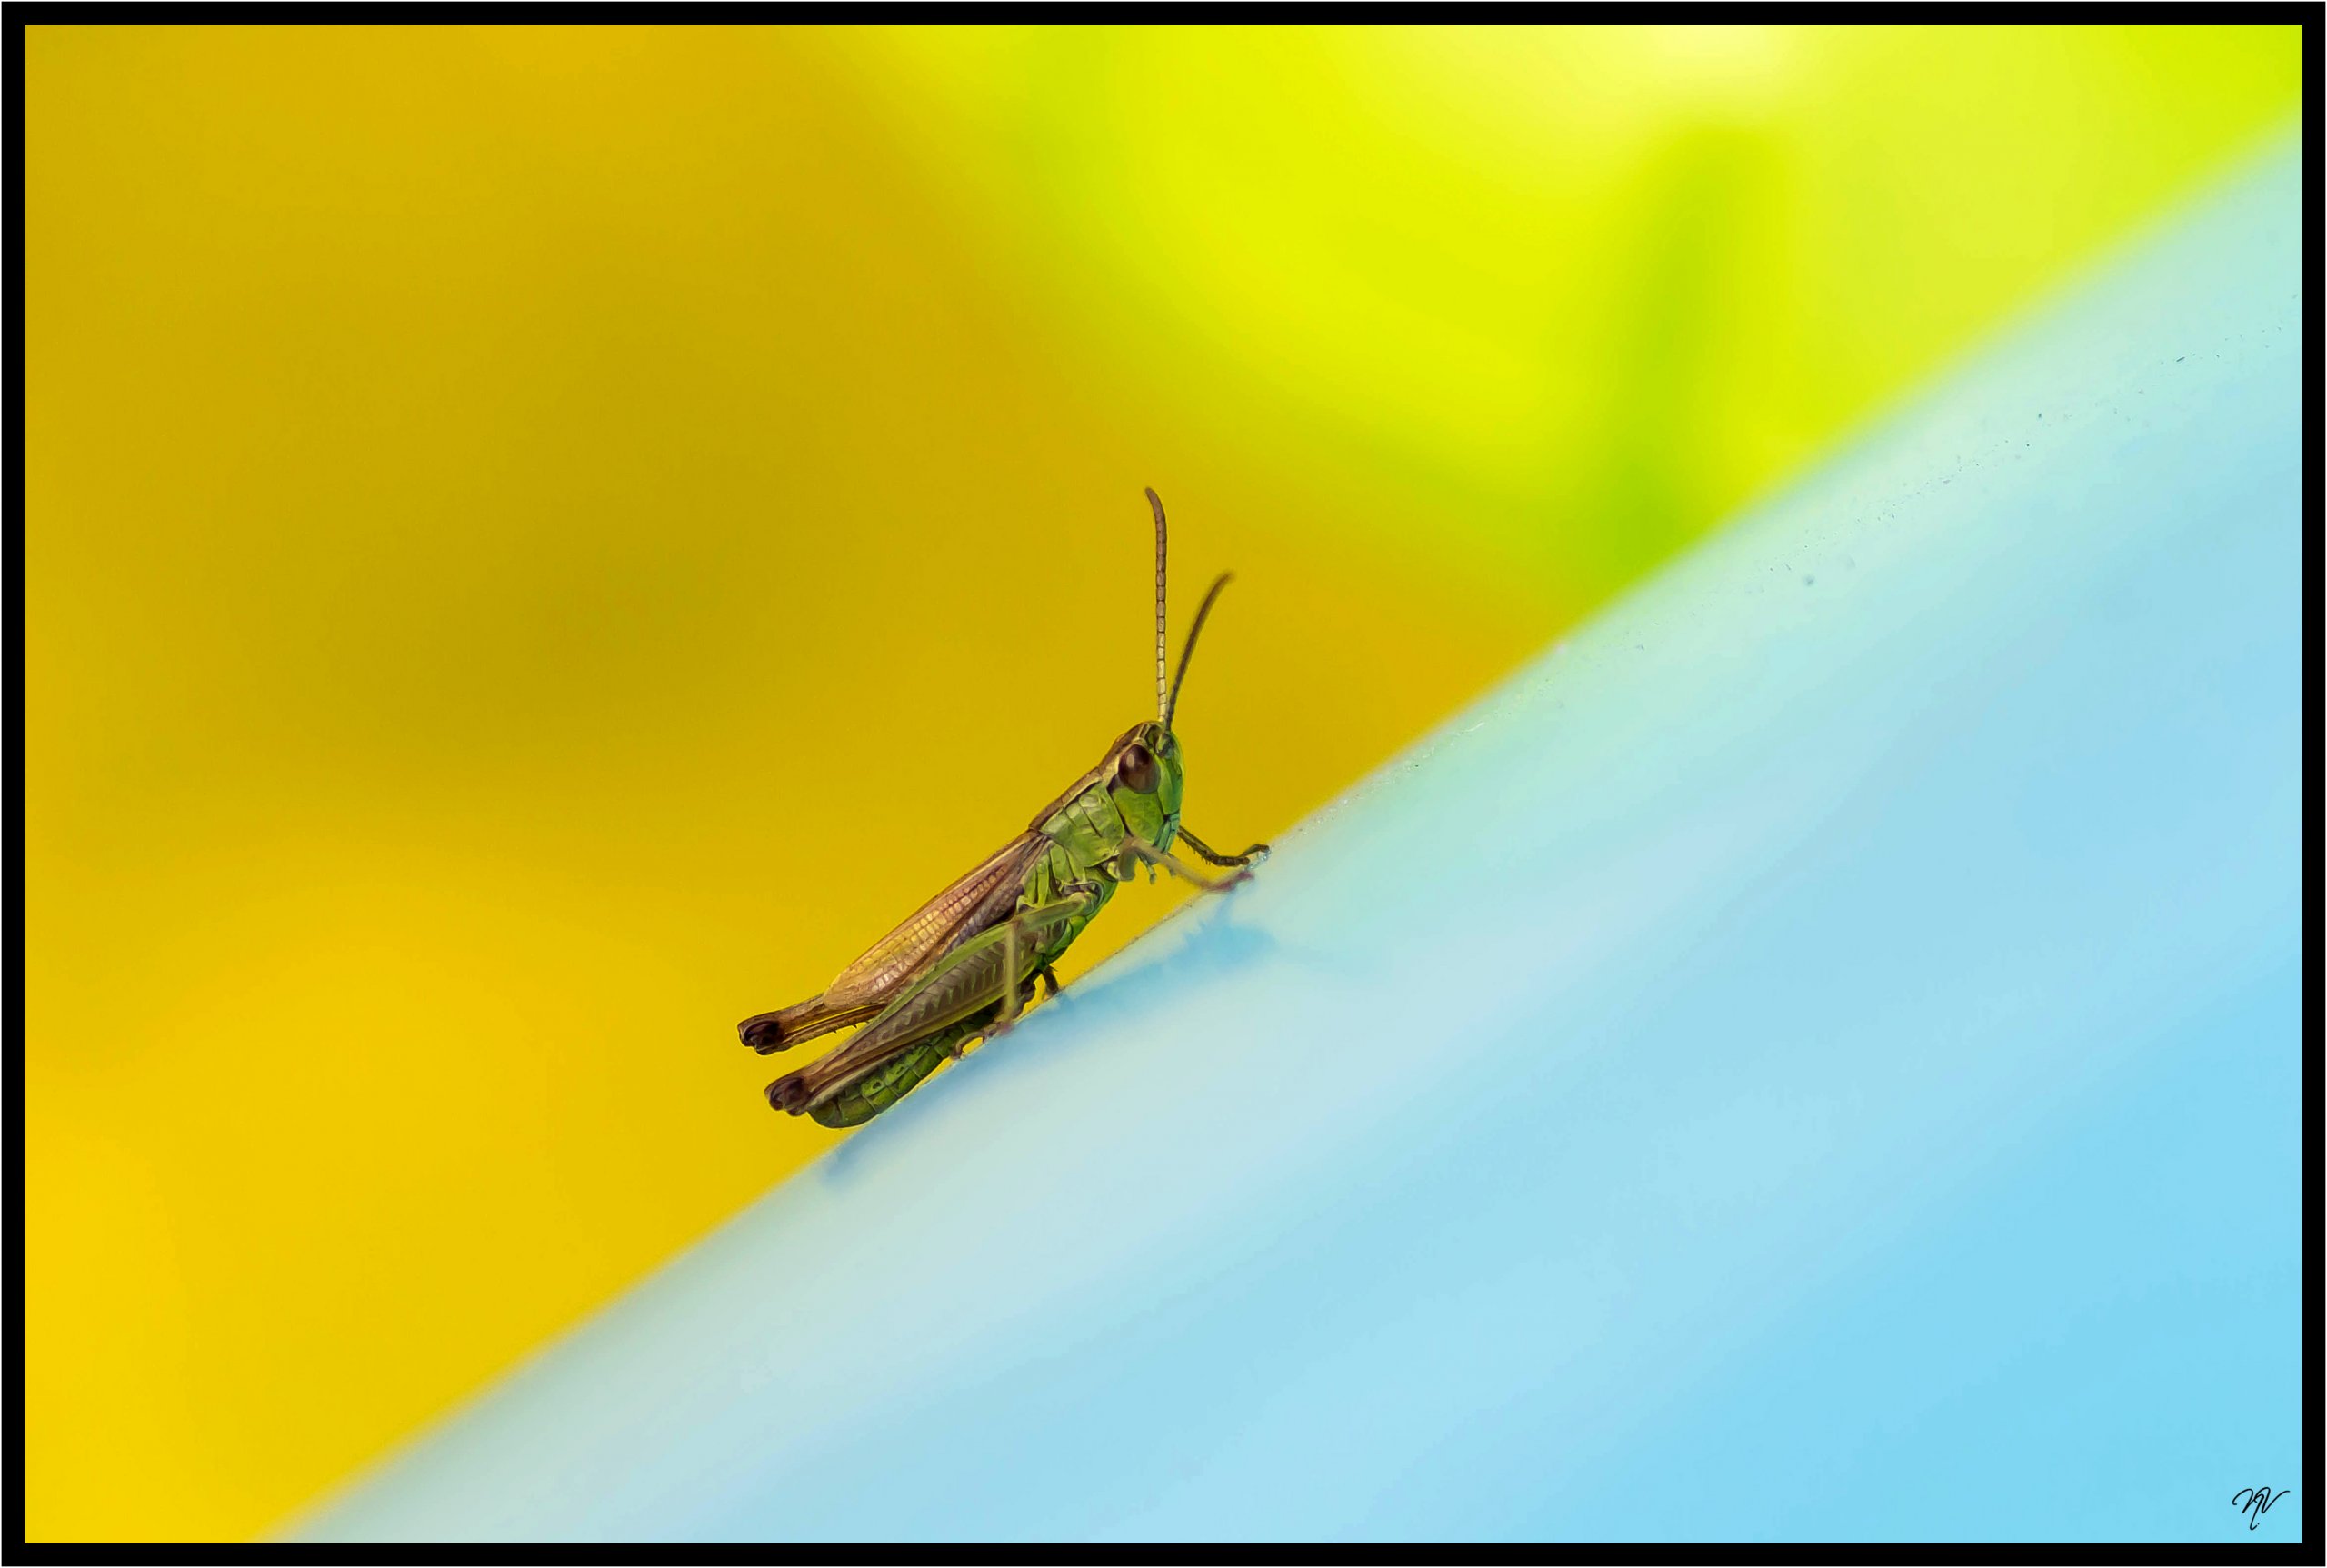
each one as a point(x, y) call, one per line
point(1172, 703)
point(1162, 706)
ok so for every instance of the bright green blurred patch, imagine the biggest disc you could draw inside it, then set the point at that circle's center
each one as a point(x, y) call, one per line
point(1557, 300)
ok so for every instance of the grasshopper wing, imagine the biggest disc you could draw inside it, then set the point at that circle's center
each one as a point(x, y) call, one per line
point(973, 904)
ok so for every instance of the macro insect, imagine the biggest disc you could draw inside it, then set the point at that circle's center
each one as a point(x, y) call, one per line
point(960, 967)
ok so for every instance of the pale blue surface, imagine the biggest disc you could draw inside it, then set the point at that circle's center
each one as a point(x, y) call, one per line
point(1817, 1055)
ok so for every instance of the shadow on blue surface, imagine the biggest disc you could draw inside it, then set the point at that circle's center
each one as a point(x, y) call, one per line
point(1816, 1055)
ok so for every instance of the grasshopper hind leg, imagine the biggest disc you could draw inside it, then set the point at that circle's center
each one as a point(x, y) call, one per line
point(787, 1026)
point(864, 1098)
point(869, 1094)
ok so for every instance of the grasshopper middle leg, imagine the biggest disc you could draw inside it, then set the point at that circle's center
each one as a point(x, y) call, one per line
point(1258, 852)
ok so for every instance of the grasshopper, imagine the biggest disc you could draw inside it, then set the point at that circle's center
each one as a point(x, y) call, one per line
point(961, 967)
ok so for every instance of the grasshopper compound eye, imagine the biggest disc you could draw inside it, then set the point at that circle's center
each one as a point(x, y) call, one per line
point(1135, 769)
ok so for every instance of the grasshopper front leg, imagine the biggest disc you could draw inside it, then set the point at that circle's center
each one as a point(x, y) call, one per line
point(1252, 855)
point(1136, 850)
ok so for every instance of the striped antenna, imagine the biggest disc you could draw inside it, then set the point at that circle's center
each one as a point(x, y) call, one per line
point(1172, 703)
point(1163, 704)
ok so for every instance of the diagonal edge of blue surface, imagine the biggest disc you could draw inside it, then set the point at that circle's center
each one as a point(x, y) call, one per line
point(1816, 1054)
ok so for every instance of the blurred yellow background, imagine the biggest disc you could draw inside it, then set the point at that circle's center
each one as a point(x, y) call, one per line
point(543, 543)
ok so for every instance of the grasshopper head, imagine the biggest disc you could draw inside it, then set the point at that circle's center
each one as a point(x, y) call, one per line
point(1144, 779)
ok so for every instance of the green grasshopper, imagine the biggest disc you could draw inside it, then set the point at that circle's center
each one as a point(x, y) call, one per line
point(960, 967)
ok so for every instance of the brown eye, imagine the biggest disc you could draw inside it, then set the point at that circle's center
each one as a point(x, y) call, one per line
point(1135, 769)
